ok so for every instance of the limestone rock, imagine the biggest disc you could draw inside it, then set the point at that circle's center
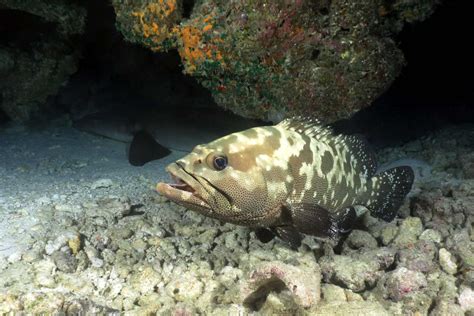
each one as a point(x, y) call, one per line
point(302, 283)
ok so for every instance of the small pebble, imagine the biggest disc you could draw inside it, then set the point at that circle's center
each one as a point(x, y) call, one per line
point(388, 233)
point(466, 299)
point(409, 231)
point(431, 235)
point(402, 282)
point(102, 183)
point(14, 257)
point(447, 261)
point(333, 293)
point(361, 239)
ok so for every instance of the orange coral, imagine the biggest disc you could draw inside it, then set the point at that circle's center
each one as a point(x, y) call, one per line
point(208, 27)
point(156, 21)
point(196, 39)
point(194, 49)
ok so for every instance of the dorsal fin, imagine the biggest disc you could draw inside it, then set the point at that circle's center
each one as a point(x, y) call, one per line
point(364, 161)
point(308, 126)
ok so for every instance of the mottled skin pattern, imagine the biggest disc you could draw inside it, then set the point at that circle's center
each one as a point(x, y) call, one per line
point(296, 176)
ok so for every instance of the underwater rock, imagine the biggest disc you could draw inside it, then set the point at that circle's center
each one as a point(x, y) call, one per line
point(328, 58)
point(102, 183)
point(353, 274)
point(64, 261)
point(356, 308)
point(40, 55)
point(9, 303)
point(86, 307)
point(185, 287)
point(151, 23)
point(360, 239)
point(380, 258)
point(60, 241)
point(353, 297)
point(443, 286)
point(44, 273)
point(145, 280)
point(93, 256)
point(333, 293)
point(417, 303)
point(42, 302)
point(111, 208)
point(302, 283)
point(402, 282)
point(35, 76)
point(462, 247)
point(466, 299)
point(14, 257)
point(446, 308)
point(409, 231)
point(418, 257)
point(388, 234)
point(447, 261)
point(279, 303)
point(431, 235)
point(229, 276)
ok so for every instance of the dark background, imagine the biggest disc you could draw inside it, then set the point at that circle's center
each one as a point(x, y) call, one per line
point(435, 88)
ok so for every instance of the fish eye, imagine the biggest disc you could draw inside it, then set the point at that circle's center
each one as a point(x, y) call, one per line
point(220, 162)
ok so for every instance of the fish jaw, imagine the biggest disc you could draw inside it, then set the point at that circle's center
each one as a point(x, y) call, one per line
point(185, 191)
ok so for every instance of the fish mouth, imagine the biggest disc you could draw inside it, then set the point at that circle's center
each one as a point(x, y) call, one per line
point(184, 189)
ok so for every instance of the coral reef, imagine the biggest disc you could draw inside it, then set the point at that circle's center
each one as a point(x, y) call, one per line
point(148, 22)
point(264, 59)
point(33, 76)
point(261, 59)
point(37, 52)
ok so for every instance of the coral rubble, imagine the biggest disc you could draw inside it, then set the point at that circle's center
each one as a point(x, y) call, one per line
point(109, 244)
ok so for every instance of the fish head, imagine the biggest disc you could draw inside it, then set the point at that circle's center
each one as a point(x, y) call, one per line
point(231, 179)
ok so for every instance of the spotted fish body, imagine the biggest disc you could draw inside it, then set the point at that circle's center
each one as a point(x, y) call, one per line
point(295, 177)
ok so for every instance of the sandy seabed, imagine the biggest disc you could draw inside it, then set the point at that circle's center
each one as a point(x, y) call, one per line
point(82, 231)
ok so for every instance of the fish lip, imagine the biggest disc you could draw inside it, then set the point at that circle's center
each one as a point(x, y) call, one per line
point(185, 189)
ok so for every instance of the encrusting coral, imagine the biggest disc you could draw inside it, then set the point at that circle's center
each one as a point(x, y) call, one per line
point(264, 59)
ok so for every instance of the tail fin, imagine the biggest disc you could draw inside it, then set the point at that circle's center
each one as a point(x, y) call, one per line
point(144, 148)
point(387, 190)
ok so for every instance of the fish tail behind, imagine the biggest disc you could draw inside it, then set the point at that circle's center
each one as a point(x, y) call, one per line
point(144, 148)
point(387, 190)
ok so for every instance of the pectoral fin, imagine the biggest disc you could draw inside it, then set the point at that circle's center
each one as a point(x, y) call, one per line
point(315, 220)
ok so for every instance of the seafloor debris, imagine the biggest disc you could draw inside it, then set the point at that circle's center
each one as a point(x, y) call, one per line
point(124, 248)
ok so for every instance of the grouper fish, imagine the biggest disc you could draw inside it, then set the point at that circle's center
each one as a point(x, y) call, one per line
point(296, 177)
